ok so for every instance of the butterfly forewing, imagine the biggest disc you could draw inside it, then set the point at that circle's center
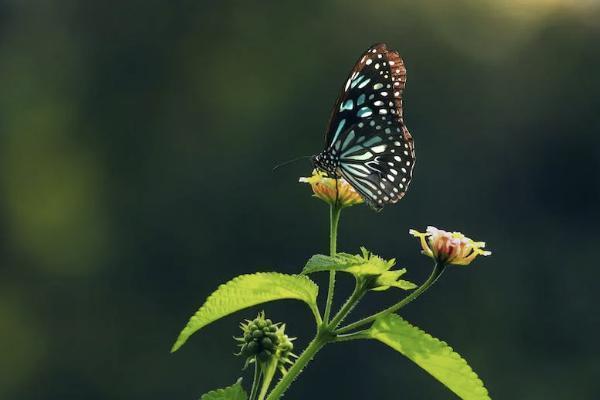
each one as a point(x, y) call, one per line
point(374, 86)
point(367, 142)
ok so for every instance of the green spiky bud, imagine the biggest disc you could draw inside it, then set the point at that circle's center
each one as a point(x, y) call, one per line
point(267, 344)
point(263, 341)
point(264, 355)
point(260, 339)
point(258, 333)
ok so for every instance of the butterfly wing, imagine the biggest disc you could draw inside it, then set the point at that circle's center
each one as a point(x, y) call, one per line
point(376, 157)
point(367, 139)
point(375, 85)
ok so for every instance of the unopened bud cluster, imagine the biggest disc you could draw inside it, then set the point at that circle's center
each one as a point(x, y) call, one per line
point(285, 351)
point(260, 338)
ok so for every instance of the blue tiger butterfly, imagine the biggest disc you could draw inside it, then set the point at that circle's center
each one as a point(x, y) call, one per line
point(367, 142)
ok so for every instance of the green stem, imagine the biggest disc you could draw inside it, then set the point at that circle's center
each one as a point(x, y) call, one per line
point(257, 375)
point(435, 274)
point(354, 298)
point(334, 219)
point(317, 315)
point(364, 334)
point(307, 355)
point(268, 372)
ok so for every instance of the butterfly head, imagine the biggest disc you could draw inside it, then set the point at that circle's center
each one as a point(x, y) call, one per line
point(326, 163)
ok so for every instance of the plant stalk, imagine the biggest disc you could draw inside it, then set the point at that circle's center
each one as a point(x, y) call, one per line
point(354, 298)
point(267, 373)
point(318, 342)
point(435, 274)
point(364, 334)
point(256, 380)
point(334, 219)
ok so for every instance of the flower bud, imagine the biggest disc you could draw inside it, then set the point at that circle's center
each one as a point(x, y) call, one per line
point(264, 355)
point(267, 344)
point(284, 350)
point(333, 190)
point(262, 340)
point(257, 334)
point(449, 247)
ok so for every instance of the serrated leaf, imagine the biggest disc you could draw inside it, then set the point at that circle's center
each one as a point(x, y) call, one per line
point(321, 262)
point(391, 279)
point(233, 392)
point(246, 291)
point(358, 265)
point(405, 285)
point(400, 284)
point(431, 354)
point(363, 266)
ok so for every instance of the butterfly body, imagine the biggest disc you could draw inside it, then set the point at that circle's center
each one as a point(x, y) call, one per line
point(367, 142)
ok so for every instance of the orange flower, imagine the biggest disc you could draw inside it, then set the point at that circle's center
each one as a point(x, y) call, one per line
point(325, 189)
point(449, 247)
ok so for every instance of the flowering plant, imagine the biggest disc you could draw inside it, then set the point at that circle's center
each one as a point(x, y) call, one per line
point(266, 346)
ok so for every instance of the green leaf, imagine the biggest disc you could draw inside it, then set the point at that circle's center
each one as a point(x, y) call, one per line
point(431, 354)
point(405, 285)
point(365, 264)
point(246, 291)
point(320, 262)
point(233, 392)
point(391, 279)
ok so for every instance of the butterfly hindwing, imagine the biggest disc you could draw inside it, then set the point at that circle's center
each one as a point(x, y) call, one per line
point(376, 158)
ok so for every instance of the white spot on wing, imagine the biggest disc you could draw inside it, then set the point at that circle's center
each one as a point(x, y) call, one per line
point(364, 83)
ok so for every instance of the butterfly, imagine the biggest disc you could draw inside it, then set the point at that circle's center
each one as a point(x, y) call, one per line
point(366, 142)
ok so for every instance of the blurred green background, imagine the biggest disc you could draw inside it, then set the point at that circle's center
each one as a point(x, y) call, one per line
point(136, 145)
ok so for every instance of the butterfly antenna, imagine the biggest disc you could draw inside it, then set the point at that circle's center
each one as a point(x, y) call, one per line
point(283, 164)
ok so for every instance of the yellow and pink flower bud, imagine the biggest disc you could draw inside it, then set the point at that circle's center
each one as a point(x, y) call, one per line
point(330, 191)
point(449, 247)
